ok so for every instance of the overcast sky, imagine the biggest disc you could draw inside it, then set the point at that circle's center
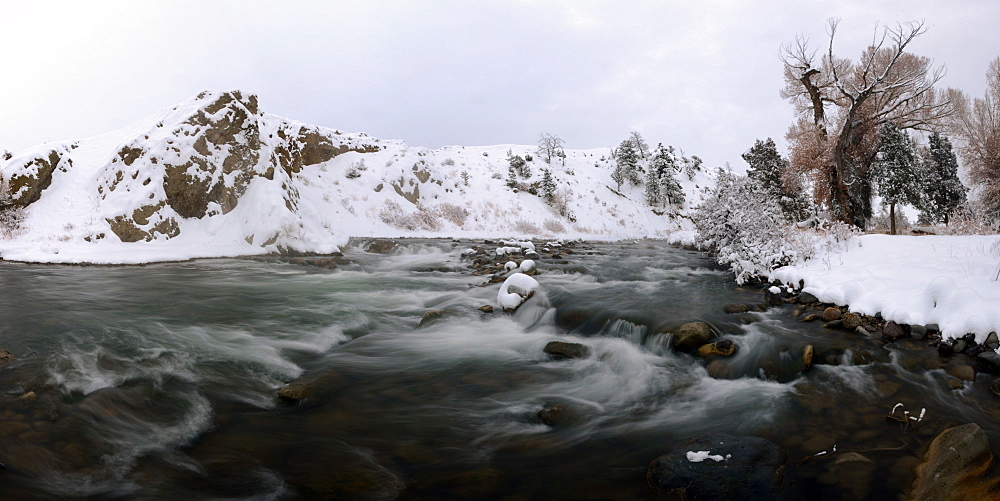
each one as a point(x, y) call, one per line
point(701, 75)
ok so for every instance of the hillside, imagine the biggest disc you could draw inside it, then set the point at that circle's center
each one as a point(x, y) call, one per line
point(215, 176)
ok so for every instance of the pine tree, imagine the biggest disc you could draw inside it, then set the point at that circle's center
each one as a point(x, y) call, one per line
point(627, 164)
point(661, 182)
point(768, 169)
point(945, 191)
point(652, 193)
point(548, 185)
point(896, 171)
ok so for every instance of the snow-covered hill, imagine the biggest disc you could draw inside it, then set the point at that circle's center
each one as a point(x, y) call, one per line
point(215, 176)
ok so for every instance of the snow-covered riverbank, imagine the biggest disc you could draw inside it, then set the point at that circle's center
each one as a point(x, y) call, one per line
point(947, 280)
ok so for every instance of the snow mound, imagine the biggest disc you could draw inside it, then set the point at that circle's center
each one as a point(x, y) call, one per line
point(515, 290)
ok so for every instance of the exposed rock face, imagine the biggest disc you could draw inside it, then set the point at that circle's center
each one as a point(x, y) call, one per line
point(691, 336)
point(954, 467)
point(27, 182)
point(748, 468)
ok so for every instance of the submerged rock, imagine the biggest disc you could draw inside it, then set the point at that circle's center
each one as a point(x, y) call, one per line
point(6, 356)
point(955, 466)
point(736, 308)
point(691, 336)
point(312, 386)
point(556, 415)
point(719, 466)
point(560, 349)
point(430, 317)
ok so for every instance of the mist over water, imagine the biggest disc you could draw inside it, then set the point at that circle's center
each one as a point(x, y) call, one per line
point(161, 381)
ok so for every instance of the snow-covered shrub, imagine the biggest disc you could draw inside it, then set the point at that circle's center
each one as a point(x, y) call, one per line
point(970, 218)
point(448, 161)
point(746, 230)
point(454, 213)
point(423, 219)
point(354, 171)
point(553, 226)
point(11, 217)
point(881, 222)
point(526, 227)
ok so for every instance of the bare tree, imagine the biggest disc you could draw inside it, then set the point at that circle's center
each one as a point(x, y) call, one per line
point(978, 125)
point(639, 143)
point(550, 145)
point(886, 85)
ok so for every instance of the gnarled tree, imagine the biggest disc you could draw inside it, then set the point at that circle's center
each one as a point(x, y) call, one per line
point(886, 84)
point(978, 125)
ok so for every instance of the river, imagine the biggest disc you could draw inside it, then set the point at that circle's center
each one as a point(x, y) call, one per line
point(161, 381)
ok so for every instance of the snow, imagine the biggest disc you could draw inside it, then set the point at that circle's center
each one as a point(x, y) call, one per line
point(318, 208)
point(526, 266)
point(947, 280)
point(699, 456)
point(515, 290)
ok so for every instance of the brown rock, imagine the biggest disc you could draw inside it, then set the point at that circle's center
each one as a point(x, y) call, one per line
point(555, 415)
point(830, 314)
point(736, 308)
point(430, 317)
point(963, 372)
point(955, 467)
point(723, 348)
point(566, 350)
point(893, 331)
point(954, 384)
point(6, 356)
point(807, 357)
point(381, 246)
point(312, 386)
point(810, 318)
point(851, 321)
point(28, 397)
point(691, 336)
point(486, 309)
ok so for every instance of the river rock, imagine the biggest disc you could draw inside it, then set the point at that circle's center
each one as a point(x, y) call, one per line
point(723, 348)
point(892, 331)
point(691, 336)
point(736, 308)
point(851, 320)
point(852, 474)
point(830, 314)
point(807, 357)
point(6, 356)
point(963, 372)
point(773, 299)
point(312, 386)
point(959, 346)
point(954, 383)
point(559, 349)
point(381, 246)
point(955, 466)
point(807, 298)
point(750, 468)
point(430, 317)
point(28, 397)
point(918, 331)
point(555, 415)
point(992, 341)
point(810, 318)
point(486, 309)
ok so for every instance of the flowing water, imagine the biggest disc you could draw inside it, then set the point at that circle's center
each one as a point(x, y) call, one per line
point(161, 381)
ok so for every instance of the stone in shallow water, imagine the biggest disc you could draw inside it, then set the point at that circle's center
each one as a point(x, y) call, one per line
point(735, 467)
point(560, 349)
point(736, 308)
point(830, 314)
point(691, 336)
point(955, 467)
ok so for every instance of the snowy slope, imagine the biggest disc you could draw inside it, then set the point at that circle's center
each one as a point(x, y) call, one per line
point(215, 176)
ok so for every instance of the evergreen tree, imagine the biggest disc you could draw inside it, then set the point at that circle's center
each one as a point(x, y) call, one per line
point(626, 164)
point(896, 171)
point(767, 169)
point(945, 191)
point(661, 181)
point(548, 185)
point(652, 193)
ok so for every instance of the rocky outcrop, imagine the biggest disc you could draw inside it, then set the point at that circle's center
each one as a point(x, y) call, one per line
point(719, 466)
point(27, 181)
point(955, 466)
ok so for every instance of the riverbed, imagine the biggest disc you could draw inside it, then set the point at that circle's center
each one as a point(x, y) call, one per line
point(161, 381)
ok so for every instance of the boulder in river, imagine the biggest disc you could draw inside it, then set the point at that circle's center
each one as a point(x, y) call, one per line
point(6, 356)
point(955, 467)
point(691, 336)
point(807, 298)
point(556, 415)
point(313, 386)
point(719, 466)
point(560, 349)
point(381, 246)
point(723, 348)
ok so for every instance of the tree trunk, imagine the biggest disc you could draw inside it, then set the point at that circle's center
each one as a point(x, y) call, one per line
point(892, 218)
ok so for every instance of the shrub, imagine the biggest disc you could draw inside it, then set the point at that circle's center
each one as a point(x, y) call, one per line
point(526, 227)
point(454, 213)
point(447, 161)
point(394, 215)
point(553, 226)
